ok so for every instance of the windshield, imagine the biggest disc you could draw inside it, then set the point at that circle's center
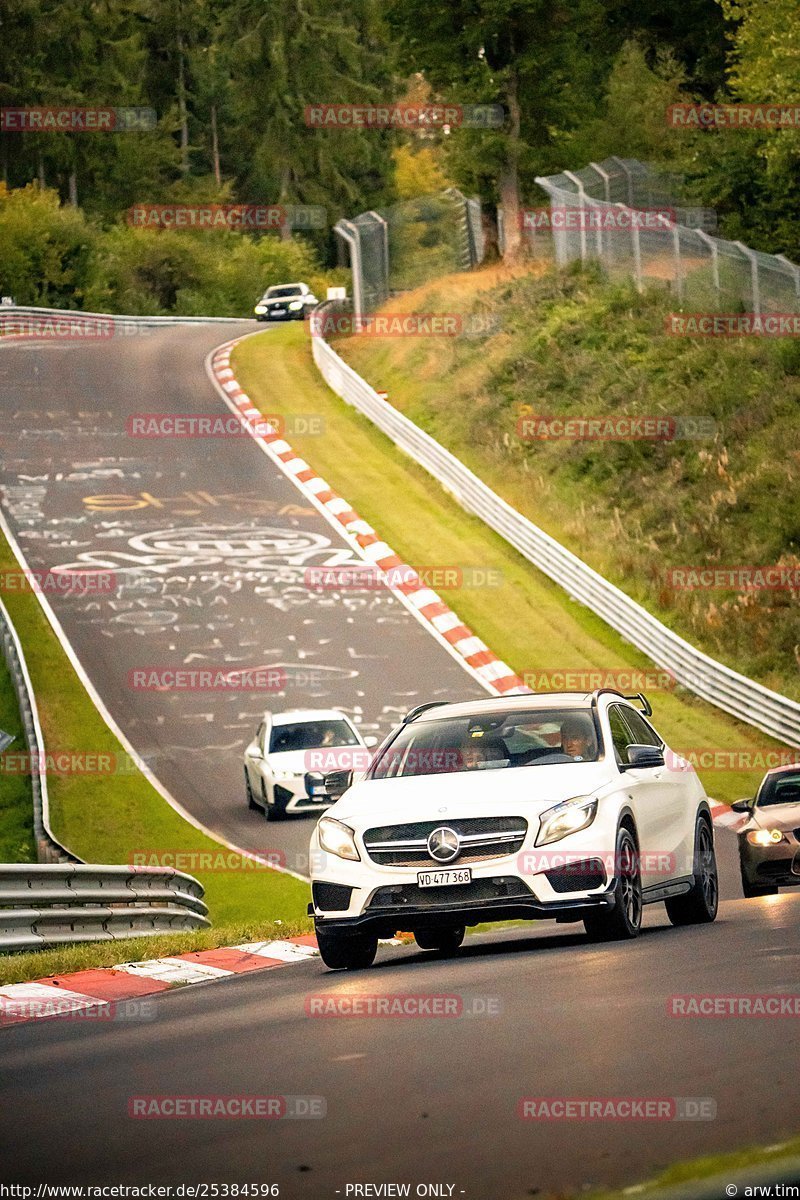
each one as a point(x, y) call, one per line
point(781, 789)
point(311, 735)
point(278, 293)
point(486, 743)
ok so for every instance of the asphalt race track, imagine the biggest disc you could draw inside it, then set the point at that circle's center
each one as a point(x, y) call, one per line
point(425, 1100)
point(208, 543)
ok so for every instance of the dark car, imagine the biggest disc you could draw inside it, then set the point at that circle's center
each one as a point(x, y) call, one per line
point(286, 302)
point(769, 843)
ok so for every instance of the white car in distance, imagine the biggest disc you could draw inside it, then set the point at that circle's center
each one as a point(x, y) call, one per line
point(287, 745)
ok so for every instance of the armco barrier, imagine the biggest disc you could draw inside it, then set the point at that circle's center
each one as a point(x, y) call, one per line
point(20, 310)
point(48, 848)
point(52, 905)
point(776, 715)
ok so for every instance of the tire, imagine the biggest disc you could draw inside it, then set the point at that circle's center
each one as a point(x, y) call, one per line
point(698, 906)
point(251, 800)
point(444, 941)
point(341, 952)
point(624, 920)
point(751, 890)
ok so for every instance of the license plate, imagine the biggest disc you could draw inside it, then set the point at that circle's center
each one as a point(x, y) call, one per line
point(443, 878)
point(278, 312)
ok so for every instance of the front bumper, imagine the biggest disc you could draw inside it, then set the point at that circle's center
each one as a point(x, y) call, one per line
point(776, 865)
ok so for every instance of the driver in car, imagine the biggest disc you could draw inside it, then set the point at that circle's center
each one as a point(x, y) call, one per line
point(578, 738)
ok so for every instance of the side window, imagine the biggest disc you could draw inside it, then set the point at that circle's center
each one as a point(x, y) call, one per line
point(619, 733)
point(642, 734)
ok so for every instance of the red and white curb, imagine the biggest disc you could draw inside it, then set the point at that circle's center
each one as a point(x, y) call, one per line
point(496, 675)
point(101, 989)
point(723, 816)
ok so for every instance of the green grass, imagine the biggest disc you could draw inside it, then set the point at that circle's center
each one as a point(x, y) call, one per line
point(528, 621)
point(698, 1169)
point(103, 818)
point(38, 964)
point(17, 843)
point(575, 345)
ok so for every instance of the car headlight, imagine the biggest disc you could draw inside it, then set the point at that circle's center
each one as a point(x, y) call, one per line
point(295, 304)
point(261, 308)
point(337, 839)
point(565, 818)
point(286, 774)
point(765, 837)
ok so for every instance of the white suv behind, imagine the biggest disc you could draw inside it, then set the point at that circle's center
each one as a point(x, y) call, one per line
point(286, 745)
point(566, 806)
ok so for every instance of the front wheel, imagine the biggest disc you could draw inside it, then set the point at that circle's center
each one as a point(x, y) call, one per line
point(699, 905)
point(624, 920)
point(445, 941)
point(347, 953)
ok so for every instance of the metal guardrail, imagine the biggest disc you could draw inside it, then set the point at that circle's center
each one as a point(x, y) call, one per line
point(52, 905)
point(743, 698)
point(48, 848)
point(22, 310)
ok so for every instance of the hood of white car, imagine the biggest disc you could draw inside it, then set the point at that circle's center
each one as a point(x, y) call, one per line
point(506, 791)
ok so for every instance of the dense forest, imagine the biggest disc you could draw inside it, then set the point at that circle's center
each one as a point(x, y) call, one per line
point(227, 86)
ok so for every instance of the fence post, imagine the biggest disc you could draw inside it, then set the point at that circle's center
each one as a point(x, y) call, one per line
point(628, 177)
point(348, 231)
point(711, 243)
point(755, 286)
point(795, 270)
point(637, 250)
point(582, 199)
point(676, 247)
point(385, 245)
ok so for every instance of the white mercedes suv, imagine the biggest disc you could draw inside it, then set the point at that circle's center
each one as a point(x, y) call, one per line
point(566, 806)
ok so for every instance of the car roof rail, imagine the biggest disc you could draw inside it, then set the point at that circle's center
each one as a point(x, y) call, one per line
point(421, 708)
point(647, 709)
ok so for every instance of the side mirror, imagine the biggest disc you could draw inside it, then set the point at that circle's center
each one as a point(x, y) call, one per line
point(645, 756)
point(743, 806)
point(254, 751)
point(371, 740)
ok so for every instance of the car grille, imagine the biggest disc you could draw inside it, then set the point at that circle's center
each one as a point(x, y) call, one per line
point(408, 894)
point(482, 839)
